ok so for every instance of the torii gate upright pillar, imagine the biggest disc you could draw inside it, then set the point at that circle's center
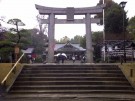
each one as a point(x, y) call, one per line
point(51, 43)
point(89, 49)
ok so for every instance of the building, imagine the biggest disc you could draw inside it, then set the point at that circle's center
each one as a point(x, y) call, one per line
point(70, 49)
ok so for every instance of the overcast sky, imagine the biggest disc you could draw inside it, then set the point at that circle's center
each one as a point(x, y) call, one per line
point(26, 11)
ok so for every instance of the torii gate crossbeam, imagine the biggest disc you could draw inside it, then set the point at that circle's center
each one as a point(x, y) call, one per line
point(64, 21)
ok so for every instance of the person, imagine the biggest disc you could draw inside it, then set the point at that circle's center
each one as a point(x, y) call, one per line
point(33, 57)
point(60, 58)
point(30, 58)
point(83, 59)
point(63, 59)
point(44, 58)
point(73, 58)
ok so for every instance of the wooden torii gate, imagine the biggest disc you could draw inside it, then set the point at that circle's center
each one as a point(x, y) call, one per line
point(69, 12)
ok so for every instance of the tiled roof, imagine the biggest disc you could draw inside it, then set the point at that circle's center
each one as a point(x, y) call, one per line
point(29, 50)
point(57, 46)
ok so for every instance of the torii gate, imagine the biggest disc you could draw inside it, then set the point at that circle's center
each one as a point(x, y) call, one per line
point(70, 12)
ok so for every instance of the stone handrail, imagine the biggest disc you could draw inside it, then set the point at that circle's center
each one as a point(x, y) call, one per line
point(4, 80)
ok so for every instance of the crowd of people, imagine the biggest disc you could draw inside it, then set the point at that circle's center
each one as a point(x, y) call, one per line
point(61, 59)
point(32, 58)
point(58, 59)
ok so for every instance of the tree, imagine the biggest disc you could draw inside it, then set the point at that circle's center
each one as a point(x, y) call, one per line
point(38, 41)
point(2, 35)
point(6, 47)
point(26, 39)
point(76, 39)
point(131, 27)
point(65, 39)
point(97, 37)
point(108, 3)
point(114, 21)
point(2, 29)
point(16, 22)
point(83, 42)
point(97, 53)
point(113, 17)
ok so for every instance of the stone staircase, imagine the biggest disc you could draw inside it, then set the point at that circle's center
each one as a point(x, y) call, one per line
point(70, 79)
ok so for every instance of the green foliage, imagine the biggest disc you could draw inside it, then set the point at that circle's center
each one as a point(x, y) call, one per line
point(6, 48)
point(76, 39)
point(38, 41)
point(11, 37)
point(97, 53)
point(113, 17)
point(8, 43)
point(97, 37)
point(65, 39)
point(5, 43)
point(83, 42)
point(26, 39)
point(16, 21)
point(131, 27)
point(108, 3)
point(2, 36)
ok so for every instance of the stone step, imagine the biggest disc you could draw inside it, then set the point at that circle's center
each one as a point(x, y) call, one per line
point(70, 65)
point(70, 71)
point(72, 97)
point(72, 87)
point(17, 83)
point(71, 75)
point(71, 78)
point(69, 91)
point(71, 68)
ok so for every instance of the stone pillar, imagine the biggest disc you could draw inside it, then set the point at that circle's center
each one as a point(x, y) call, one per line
point(51, 25)
point(89, 49)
